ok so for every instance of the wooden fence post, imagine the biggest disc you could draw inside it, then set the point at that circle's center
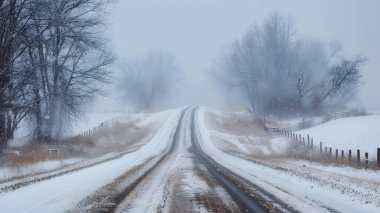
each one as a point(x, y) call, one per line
point(320, 147)
point(330, 151)
point(342, 155)
point(366, 159)
point(312, 145)
point(336, 154)
point(308, 140)
point(358, 155)
point(349, 155)
point(378, 156)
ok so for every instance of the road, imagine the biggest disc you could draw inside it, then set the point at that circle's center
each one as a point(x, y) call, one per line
point(177, 171)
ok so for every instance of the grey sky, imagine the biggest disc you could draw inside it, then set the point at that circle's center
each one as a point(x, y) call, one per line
point(196, 30)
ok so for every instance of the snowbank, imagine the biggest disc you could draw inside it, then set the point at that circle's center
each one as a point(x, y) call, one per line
point(349, 133)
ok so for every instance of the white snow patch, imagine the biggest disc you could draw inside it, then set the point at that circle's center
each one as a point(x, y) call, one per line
point(349, 133)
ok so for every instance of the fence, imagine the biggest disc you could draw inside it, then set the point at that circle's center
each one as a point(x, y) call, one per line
point(329, 154)
point(305, 124)
point(326, 153)
point(98, 129)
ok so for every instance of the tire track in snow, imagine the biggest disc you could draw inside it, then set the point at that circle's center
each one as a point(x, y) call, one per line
point(181, 184)
point(252, 197)
point(109, 197)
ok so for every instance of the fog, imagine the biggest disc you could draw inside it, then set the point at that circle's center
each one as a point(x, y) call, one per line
point(196, 31)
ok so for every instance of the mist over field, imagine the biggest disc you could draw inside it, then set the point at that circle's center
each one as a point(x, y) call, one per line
point(196, 32)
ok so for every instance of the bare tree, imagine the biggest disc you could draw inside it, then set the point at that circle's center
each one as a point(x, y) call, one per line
point(264, 57)
point(345, 78)
point(149, 80)
point(13, 23)
point(71, 60)
point(52, 60)
point(281, 73)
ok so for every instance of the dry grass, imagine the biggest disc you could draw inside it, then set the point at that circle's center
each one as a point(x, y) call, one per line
point(249, 131)
point(71, 147)
point(26, 157)
point(246, 130)
point(235, 123)
point(299, 151)
point(118, 137)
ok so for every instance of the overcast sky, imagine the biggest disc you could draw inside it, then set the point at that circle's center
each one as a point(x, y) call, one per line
point(195, 31)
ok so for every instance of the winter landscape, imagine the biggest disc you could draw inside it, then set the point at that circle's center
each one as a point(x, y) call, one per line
point(189, 106)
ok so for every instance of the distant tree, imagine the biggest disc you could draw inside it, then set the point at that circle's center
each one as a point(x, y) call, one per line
point(281, 73)
point(149, 80)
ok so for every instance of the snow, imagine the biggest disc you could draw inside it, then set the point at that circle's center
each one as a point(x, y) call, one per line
point(349, 133)
point(8, 172)
point(178, 169)
point(245, 132)
point(297, 191)
point(364, 175)
point(152, 197)
point(303, 185)
point(63, 192)
point(149, 123)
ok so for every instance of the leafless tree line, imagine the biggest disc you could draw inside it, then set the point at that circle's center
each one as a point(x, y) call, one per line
point(281, 73)
point(52, 58)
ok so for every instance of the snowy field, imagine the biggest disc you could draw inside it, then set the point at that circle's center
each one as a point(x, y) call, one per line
point(306, 186)
point(349, 133)
point(139, 127)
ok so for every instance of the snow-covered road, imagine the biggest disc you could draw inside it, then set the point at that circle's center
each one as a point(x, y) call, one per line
point(168, 174)
point(63, 192)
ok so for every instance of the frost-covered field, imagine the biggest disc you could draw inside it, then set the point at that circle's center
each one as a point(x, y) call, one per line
point(304, 185)
point(349, 133)
point(132, 131)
